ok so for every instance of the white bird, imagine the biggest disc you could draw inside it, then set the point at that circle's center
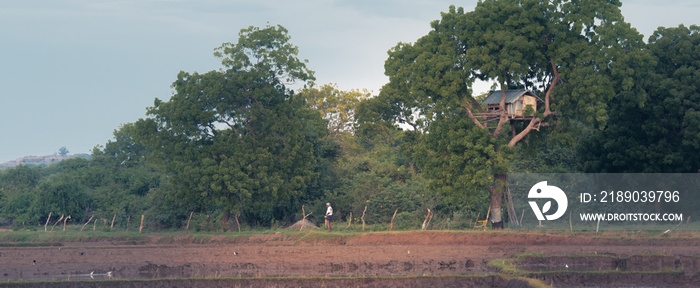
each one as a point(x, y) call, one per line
point(566, 266)
point(235, 253)
point(409, 252)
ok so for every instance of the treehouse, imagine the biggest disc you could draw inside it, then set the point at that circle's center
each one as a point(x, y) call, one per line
point(517, 102)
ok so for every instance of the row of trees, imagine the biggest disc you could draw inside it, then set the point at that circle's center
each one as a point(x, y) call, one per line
point(238, 144)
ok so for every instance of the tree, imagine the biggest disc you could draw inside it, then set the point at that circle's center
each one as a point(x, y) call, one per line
point(62, 197)
point(580, 53)
point(238, 140)
point(336, 106)
point(661, 134)
point(63, 151)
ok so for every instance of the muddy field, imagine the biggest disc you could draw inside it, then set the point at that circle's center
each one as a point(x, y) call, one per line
point(638, 262)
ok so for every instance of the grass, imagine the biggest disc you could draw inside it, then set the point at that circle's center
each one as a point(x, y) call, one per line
point(30, 244)
point(505, 266)
point(533, 282)
point(73, 234)
point(510, 266)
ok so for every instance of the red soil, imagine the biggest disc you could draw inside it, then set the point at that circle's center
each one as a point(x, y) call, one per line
point(387, 253)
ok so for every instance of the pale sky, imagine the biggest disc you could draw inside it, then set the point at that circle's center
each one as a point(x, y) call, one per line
point(73, 71)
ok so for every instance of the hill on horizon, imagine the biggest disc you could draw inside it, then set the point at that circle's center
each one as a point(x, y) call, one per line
point(43, 160)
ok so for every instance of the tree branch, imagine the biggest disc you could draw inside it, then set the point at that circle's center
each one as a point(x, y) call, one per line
point(537, 121)
point(555, 81)
point(221, 120)
point(502, 105)
point(478, 106)
point(471, 115)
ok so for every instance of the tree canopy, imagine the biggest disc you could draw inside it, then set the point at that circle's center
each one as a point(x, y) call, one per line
point(237, 138)
point(576, 55)
point(662, 133)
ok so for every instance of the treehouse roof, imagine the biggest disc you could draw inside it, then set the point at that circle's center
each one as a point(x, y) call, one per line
point(511, 96)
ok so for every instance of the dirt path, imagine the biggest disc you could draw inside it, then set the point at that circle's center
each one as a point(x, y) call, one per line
point(429, 253)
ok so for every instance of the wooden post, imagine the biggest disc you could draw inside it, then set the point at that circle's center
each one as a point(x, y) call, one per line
point(113, 218)
point(426, 220)
point(303, 220)
point(237, 223)
point(686, 224)
point(431, 219)
point(86, 223)
point(47, 221)
point(94, 225)
point(477, 220)
point(64, 222)
point(363, 218)
point(141, 227)
point(349, 221)
point(571, 227)
point(392, 220)
point(127, 222)
point(521, 217)
point(59, 221)
point(488, 213)
point(187, 230)
point(511, 207)
point(104, 223)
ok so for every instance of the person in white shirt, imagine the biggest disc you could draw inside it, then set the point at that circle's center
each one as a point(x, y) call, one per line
point(329, 214)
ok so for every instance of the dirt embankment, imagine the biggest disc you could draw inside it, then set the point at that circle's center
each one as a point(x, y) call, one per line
point(313, 255)
point(398, 282)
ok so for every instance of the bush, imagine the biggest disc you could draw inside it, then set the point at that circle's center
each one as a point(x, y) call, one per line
point(407, 221)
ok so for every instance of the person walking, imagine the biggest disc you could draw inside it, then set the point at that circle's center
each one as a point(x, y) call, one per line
point(329, 216)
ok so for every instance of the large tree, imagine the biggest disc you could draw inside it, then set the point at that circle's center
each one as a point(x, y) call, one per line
point(335, 105)
point(237, 139)
point(576, 55)
point(662, 134)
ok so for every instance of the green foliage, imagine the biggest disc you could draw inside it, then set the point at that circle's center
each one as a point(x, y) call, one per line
point(375, 175)
point(336, 106)
point(659, 134)
point(267, 51)
point(238, 143)
point(20, 177)
point(581, 54)
point(60, 197)
point(462, 160)
point(237, 139)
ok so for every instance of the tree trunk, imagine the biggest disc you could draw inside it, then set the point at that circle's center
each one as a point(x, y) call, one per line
point(238, 224)
point(224, 220)
point(496, 192)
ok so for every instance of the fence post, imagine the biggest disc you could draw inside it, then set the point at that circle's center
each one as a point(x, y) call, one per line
point(86, 223)
point(141, 227)
point(349, 221)
point(59, 221)
point(392, 220)
point(47, 221)
point(187, 230)
point(113, 218)
point(426, 220)
point(363, 218)
point(64, 222)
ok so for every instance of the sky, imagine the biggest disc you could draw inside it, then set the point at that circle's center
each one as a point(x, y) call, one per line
point(73, 71)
